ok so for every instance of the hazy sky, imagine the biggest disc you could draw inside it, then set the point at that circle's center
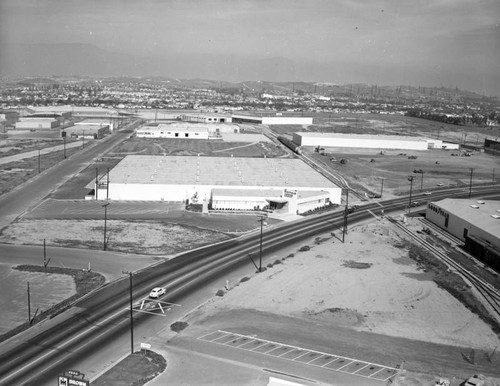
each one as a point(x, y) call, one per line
point(426, 42)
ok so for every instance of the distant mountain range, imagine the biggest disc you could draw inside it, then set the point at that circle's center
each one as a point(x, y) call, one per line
point(59, 60)
point(86, 59)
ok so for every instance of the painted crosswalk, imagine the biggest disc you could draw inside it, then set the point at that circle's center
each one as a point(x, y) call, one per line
point(299, 354)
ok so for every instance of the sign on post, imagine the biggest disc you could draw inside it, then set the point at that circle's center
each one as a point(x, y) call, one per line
point(72, 378)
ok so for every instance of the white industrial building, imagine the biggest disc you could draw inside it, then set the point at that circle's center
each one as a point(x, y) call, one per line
point(205, 118)
point(266, 119)
point(87, 131)
point(369, 141)
point(185, 130)
point(35, 123)
point(476, 222)
point(101, 122)
point(227, 183)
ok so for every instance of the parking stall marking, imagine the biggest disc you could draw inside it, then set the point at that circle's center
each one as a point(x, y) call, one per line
point(265, 348)
point(252, 345)
point(309, 357)
point(298, 354)
point(369, 370)
point(279, 351)
point(323, 360)
point(294, 354)
point(338, 364)
point(383, 374)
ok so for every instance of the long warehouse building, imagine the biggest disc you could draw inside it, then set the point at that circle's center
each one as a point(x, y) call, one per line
point(369, 141)
point(226, 183)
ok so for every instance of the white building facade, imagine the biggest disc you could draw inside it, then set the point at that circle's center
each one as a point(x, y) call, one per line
point(368, 141)
point(227, 183)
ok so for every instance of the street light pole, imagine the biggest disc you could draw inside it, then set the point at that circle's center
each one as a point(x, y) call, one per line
point(410, 178)
point(470, 183)
point(105, 206)
point(346, 211)
point(261, 220)
point(382, 188)
point(422, 182)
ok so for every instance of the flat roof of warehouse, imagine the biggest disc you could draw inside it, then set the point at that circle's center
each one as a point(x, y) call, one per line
point(361, 136)
point(484, 214)
point(222, 171)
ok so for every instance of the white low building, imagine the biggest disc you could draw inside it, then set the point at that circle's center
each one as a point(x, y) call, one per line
point(368, 141)
point(101, 122)
point(206, 118)
point(186, 130)
point(167, 131)
point(286, 185)
point(267, 119)
point(37, 123)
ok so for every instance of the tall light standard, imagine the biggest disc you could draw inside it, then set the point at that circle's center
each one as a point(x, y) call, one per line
point(470, 182)
point(422, 181)
point(382, 188)
point(410, 178)
point(346, 211)
point(261, 220)
point(105, 206)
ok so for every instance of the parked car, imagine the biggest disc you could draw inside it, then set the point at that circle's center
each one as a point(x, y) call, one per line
point(157, 292)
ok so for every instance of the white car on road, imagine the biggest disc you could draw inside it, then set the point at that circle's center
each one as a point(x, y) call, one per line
point(157, 292)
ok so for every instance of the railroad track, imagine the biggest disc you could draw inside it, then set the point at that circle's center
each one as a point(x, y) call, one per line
point(488, 294)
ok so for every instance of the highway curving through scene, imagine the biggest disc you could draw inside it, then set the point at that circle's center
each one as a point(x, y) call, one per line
point(38, 355)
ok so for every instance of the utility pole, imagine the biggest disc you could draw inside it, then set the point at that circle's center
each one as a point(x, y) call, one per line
point(346, 211)
point(410, 178)
point(261, 220)
point(470, 182)
point(105, 206)
point(96, 183)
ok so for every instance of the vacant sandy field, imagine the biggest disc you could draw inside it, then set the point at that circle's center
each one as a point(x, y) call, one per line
point(144, 237)
point(366, 283)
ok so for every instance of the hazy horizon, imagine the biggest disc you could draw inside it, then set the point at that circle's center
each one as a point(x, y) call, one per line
point(450, 43)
